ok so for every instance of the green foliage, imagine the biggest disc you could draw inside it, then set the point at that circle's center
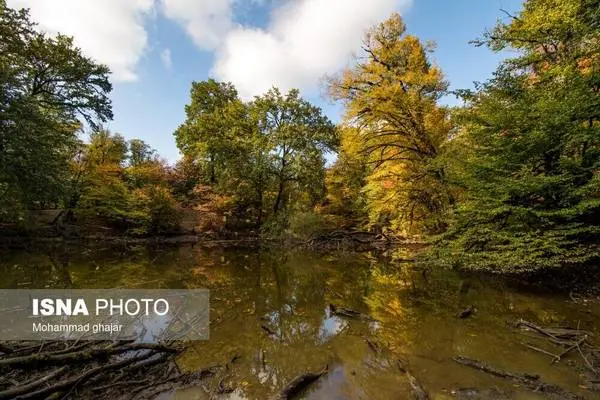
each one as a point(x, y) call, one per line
point(530, 146)
point(140, 153)
point(304, 225)
point(207, 134)
point(295, 136)
point(160, 210)
point(47, 85)
point(106, 196)
point(268, 154)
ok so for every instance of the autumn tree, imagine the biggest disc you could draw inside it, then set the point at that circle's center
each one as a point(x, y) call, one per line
point(391, 102)
point(345, 180)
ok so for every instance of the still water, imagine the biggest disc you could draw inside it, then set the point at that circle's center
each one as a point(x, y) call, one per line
point(271, 308)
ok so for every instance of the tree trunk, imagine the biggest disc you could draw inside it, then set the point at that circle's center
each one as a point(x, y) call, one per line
point(213, 179)
point(279, 196)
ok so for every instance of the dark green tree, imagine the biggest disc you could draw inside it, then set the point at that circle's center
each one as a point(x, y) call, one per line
point(47, 86)
point(205, 134)
point(530, 146)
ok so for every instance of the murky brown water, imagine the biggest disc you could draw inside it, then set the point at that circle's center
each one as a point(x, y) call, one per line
point(289, 293)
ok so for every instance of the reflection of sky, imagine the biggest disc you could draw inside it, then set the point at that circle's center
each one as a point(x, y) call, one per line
point(330, 326)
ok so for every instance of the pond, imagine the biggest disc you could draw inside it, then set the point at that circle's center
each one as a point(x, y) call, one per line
point(271, 308)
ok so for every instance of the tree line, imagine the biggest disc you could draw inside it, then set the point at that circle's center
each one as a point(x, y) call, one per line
point(508, 181)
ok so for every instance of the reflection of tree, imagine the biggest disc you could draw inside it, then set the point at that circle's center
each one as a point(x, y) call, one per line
point(289, 294)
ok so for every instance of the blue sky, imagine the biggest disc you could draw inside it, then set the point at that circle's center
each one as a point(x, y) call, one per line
point(158, 47)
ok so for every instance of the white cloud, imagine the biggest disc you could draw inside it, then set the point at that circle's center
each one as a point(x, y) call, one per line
point(304, 40)
point(165, 56)
point(110, 31)
point(206, 21)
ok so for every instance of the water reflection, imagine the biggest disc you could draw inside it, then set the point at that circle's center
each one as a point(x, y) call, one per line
point(272, 309)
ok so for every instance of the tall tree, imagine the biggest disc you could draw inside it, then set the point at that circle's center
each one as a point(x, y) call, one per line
point(296, 135)
point(391, 98)
point(47, 85)
point(205, 133)
point(530, 139)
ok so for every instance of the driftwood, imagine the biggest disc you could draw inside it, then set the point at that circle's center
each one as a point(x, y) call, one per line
point(19, 390)
point(349, 313)
point(572, 339)
point(94, 369)
point(529, 381)
point(557, 334)
point(81, 378)
point(467, 312)
point(79, 356)
point(299, 383)
point(417, 390)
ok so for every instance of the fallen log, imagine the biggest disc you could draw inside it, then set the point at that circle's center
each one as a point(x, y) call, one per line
point(300, 383)
point(80, 356)
point(529, 381)
point(417, 390)
point(557, 334)
point(467, 312)
point(22, 389)
point(5, 349)
point(79, 379)
point(349, 313)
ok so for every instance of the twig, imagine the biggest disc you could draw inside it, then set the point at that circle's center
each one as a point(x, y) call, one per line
point(554, 356)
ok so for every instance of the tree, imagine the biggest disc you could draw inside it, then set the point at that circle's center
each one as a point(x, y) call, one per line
point(296, 136)
point(132, 196)
point(47, 85)
point(530, 139)
point(391, 98)
point(140, 153)
point(263, 152)
point(346, 178)
point(205, 134)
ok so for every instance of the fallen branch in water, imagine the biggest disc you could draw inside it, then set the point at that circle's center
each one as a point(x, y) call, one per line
point(80, 356)
point(349, 313)
point(531, 382)
point(300, 383)
point(96, 369)
point(576, 345)
point(467, 312)
point(555, 357)
point(417, 390)
point(558, 334)
point(79, 379)
point(19, 390)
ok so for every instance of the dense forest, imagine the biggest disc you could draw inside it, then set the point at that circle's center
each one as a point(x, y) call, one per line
point(507, 182)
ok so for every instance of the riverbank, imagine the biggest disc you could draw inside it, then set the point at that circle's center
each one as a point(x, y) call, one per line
point(580, 283)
